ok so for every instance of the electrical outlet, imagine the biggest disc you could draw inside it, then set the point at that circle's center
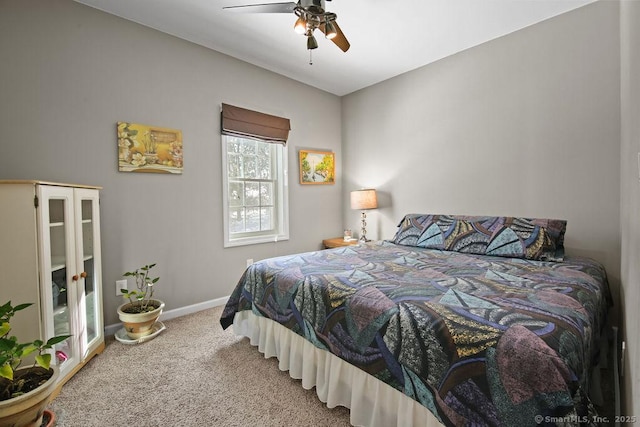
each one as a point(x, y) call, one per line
point(249, 261)
point(121, 284)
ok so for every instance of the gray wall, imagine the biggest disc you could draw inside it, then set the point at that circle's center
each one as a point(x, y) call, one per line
point(70, 72)
point(630, 200)
point(525, 125)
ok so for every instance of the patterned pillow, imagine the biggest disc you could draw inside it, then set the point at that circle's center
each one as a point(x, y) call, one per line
point(513, 237)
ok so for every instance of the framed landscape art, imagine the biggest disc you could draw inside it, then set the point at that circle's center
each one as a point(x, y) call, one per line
point(317, 167)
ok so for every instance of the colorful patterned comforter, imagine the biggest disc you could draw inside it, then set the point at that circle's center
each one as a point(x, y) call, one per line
point(478, 340)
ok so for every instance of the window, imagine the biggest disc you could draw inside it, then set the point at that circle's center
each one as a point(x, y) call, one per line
point(255, 192)
point(254, 165)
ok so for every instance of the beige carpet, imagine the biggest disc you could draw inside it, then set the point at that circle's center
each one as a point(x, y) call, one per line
point(192, 374)
point(195, 374)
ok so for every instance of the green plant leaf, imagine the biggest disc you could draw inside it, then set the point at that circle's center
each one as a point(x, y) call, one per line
point(15, 362)
point(21, 306)
point(44, 360)
point(28, 349)
point(55, 340)
point(6, 372)
point(5, 327)
point(5, 308)
point(6, 344)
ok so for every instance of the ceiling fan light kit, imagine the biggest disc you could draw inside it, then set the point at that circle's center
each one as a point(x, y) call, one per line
point(330, 30)
point(312, 43)
point(311, 15)
point(300, 26)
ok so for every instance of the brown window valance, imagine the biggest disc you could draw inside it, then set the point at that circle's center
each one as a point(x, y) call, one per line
point(245, 123)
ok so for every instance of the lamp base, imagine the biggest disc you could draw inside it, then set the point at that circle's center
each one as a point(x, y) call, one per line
point(363, 228)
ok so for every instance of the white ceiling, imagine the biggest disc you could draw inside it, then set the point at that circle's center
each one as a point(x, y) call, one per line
point(388, 37)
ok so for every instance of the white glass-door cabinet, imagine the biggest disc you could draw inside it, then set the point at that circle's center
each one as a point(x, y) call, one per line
point(50, 256)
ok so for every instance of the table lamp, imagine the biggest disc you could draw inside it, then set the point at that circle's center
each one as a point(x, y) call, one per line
point(363, 200)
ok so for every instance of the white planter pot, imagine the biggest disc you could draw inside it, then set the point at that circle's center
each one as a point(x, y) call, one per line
point(27, 410)
point(139, 324)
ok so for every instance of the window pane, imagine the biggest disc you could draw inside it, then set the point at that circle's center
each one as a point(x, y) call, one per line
point(266, 220)
point(249, 166)
point(235, 193)
point(253, 219)
point(248, 146)
point(266, 194)
point(236, 220)
point(264, 161)
point(233, 146)
point(234, 167)
point(251, 194)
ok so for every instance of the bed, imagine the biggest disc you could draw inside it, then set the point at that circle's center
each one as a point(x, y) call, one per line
point(457, 320)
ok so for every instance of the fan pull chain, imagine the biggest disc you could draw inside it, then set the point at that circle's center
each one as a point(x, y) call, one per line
point(310, 57)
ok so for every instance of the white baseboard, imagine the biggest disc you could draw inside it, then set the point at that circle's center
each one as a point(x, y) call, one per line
point(176, 312)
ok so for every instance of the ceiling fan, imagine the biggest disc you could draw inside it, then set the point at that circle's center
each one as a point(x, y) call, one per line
point(311, 15)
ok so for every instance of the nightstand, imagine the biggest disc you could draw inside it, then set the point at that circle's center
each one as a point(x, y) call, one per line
point(336, 242)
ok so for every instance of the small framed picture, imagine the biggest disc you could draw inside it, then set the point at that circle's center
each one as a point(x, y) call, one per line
point(317, 167)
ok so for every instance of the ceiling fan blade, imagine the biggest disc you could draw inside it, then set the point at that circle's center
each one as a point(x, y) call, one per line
point(264, 8)
point(340, 40)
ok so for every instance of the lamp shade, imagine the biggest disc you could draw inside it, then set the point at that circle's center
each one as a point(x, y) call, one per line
point(364, 199)
point(312, 43)
point(300, 26)
point(330, 30)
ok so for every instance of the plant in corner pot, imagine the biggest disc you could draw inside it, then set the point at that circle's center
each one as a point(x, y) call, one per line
point(141, 311)
point(24, 392)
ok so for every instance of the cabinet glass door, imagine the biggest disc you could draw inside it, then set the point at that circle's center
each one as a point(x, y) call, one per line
point(88, 247)
point(59, 262)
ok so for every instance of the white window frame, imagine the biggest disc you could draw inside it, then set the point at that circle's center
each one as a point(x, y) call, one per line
point(281, 203)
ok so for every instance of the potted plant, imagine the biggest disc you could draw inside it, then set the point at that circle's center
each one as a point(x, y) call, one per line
point(141, 311)
point(24, 392)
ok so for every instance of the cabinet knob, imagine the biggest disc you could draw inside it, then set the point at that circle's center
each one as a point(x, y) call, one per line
point(75, 278)
point(83, 274)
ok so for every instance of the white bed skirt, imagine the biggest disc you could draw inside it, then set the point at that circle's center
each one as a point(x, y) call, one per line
point(371, 402)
